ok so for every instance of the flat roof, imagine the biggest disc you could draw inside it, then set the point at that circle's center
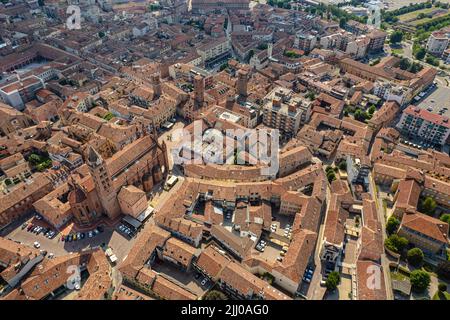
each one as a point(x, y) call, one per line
point(132, 221)
point(437, 101)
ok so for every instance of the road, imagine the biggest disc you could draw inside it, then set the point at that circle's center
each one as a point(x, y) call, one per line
point(316, 292)
point(382, 219)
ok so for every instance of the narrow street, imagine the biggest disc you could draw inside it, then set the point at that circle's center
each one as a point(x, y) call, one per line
point(382, 219)
point(316, 292)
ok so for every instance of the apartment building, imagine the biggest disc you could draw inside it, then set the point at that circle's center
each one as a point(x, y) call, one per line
point(425, 232)
point(285, 110)
point(425, 124)
point(215, 50)
point(437, 43)
point(305, 42)
point(377, 39)
point(204, 6)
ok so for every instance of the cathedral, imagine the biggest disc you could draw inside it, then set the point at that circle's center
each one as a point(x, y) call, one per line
point(141, 164)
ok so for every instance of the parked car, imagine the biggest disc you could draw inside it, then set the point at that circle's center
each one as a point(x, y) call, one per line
point(63, 238)
point(37, 245)
point(100, 229)
point(51, 255)
point(90, 234)
point(30, 227)
point(24, 225)
point(204, 281)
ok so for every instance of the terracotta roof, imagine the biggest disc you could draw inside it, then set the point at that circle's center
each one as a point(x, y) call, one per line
point(368, 289)
point(300, 251)
point(179, 251)
point(248, 284)
point(170, 291)
point(429, 226)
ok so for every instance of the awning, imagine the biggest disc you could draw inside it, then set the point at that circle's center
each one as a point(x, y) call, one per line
point(132, 221)
point(143, 216)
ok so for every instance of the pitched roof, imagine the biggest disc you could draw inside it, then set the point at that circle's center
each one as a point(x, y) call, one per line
point(429, 226)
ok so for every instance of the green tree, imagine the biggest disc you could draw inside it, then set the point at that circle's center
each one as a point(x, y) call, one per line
point(420, 53)
point(432, 60)
point(310, 95)
point(35, 159)
point(263, 46)
point(372, 109)
point(360, 115)
point(396, 37)
point(345, 112)
point(442, 287)
point(392, 224)
point(343, 165)
point(420, 280)
point(333, 280)
point(223, 66)
point(331, 176)
point(404, 64)
point(415, 257)
point(443, 269)
point(215, 295)
point(342, 22)
point(428, 205)
point(396, 243)
point(445, 218)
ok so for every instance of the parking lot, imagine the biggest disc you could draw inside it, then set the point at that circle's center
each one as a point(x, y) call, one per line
point(437, 98)
point(108, 237)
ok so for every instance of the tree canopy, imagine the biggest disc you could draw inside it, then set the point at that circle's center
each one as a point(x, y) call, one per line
point(215, 295)
point(333, 280)
point(415, 257)
point(396, 243)
point(392, 224)
point(420, 280)
point(428, 205)
point(396, 37)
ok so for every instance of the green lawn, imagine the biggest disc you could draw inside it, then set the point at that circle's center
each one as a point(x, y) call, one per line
point(418, 22)
point(414, 14)
point(439, 296)
point(398, 276)
point(397, 51)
